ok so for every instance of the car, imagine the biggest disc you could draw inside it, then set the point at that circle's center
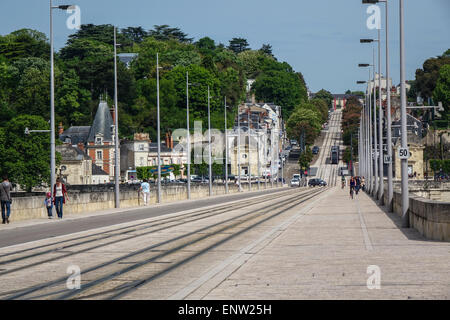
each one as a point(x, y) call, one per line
point(315, 150)
point(316, 182)
point(295, 182)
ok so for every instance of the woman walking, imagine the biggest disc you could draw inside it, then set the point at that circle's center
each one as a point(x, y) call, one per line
point(60, 196)
point(5, 197)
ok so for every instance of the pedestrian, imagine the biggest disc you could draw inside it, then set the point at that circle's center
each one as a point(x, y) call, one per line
point(59, 197)
point(357, 184)
point(352, 186)
point(5, 198)
point(49, 205)
point(145, 188)
point(363, 183)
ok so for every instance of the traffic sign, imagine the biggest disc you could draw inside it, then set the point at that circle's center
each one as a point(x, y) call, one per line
point(387, 159)
point(403, 153)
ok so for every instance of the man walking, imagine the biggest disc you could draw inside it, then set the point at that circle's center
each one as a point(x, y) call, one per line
point(5, 197)
point(145, 188)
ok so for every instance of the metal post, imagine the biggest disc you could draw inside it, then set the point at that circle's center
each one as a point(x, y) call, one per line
point(388, 114)
point(158, 130)
point(209, 146)
point(248, 154)
point(226, 149)
point(265, 157)
point(239, 150)
point(370, 134)
point(52, 107)
point(380, 124)
point(116, 127)
point(259, 162)
point(188, 139)
point(375, 191)
point(404, 138)
point(272, 151)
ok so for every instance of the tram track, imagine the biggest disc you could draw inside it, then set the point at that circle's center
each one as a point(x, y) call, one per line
point(219, 233)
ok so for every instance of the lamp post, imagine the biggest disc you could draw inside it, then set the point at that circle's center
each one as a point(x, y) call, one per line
point(209, 145)
point(404, 139)
point(226, 148)
point(52, 99)
point(158, 129)
point(239, 149)
point(248, 153)
point(188, 139)
point(116, 128)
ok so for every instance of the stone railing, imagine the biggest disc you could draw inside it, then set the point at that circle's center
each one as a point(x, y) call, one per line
point(430, 217)
point(83, 199)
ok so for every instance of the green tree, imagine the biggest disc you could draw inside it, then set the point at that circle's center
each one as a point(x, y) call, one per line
point(325, 95)
point(24, 43)
point(441, 92)
point(427, 77)
point(238, 45)
point(26, 158)
point(304, 121)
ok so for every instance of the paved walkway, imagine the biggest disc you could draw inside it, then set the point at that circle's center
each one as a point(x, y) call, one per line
point(326, 253)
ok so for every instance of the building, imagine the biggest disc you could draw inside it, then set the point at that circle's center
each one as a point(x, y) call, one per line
point(96, 141)
point(75, 167)
point(134, 154)
point(415, 162)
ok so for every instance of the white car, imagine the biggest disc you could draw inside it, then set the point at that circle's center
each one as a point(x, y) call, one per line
point(295, 183)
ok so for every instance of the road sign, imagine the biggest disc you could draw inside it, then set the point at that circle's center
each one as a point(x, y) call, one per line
point(387, 159)
point(403, 153)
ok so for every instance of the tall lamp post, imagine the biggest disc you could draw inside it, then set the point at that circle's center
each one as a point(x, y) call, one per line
point(158, 129)
point(52, 99)
point(248, 153)
point(209, 144)
point(116, 127)
point(404, 141)
point(188, 139)
point(226, 147)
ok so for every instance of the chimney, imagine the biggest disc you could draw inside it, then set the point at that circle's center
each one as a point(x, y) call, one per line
point(171, 140)
point(60, 129)
point(80, 146)
point(113, 114)
point(253, 98)
point(167, 140)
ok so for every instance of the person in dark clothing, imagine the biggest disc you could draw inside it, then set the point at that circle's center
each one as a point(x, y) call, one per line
point(357, 184)
point(5, 198)
point(352, 186)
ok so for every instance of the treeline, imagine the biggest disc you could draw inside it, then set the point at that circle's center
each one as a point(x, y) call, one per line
point(84, 71)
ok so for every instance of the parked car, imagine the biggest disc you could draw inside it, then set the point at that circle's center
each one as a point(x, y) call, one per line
point(295, 182)
point(316, 182)
point(315, 150)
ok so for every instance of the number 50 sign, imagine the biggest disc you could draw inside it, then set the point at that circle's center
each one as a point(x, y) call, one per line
point(403, 153)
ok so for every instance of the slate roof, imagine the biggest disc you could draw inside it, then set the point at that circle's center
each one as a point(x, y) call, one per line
point(70, 153)
point(102, 123)
point(97, 171)
point(76, 135)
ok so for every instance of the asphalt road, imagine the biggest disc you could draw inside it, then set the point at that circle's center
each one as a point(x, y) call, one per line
point(28, 233)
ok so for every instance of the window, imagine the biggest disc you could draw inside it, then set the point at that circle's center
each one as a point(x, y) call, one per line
point(98, 140)
point(141, 147)
point(99, 155)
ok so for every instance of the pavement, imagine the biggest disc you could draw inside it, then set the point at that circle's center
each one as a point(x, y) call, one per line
point(340, 248)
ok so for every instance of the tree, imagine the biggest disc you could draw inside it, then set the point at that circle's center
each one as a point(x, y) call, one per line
point(427, 77)
point(267, 49)
point(304, 121)
point(282, 88)
point(326, 95)
point(441, 92)
point(206, 44)
point(238, 45)
point(25, 158)
point(24, 43)
point(164, 32)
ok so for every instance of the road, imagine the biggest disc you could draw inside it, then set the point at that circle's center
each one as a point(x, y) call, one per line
point(333, 137)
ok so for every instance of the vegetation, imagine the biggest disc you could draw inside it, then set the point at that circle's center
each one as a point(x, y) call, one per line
point(84, 70)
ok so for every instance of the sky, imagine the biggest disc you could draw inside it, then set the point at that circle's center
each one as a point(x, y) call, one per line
point(319, 38)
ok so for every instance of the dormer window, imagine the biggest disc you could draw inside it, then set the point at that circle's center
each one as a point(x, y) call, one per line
point(99, 139)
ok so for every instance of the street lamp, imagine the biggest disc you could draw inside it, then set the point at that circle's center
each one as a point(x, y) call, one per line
point(388, 105)
point(226, 147)
point(248, 153)
point(52, 98)
point(116, 129)
point(158, 129)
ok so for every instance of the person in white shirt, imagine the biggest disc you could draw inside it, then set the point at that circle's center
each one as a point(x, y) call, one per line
point(145, 189)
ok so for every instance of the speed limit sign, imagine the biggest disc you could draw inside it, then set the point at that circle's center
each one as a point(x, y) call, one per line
point(403, 153)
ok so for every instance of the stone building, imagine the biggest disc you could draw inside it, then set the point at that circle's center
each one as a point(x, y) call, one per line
point(75, 167)
point(134, 154)
point(415, 162)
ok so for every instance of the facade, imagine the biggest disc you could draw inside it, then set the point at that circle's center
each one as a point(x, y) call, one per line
point(415, 162)
point(96, 141)
point(75, 167)
point(134, 154)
